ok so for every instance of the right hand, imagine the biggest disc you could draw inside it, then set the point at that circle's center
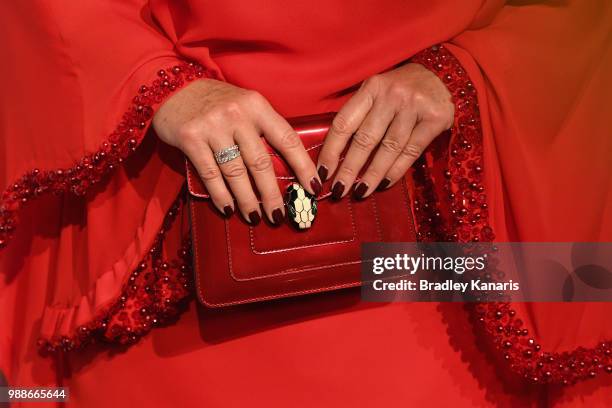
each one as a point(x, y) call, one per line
point(210, 115)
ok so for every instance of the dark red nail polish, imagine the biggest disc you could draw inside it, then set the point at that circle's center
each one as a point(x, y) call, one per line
point(228, 211)
point(278, 217)
point(383, 184)
point(360, 190)
point(254, 217)
point(322, 172)
point(337, 190)
point(315, 184)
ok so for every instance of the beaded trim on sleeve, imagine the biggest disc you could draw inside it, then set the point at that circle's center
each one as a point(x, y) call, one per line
point(93, 167)
point(154, 293)
point(461, 215)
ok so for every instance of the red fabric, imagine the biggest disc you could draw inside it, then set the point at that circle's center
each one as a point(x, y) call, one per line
point(72, 72)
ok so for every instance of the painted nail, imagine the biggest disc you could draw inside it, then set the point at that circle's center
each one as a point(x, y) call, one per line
point(360, 190)
point(254, 217)
point(277, 216)
point(383, 184)
point(315, 184)
point(228, 211)
point(337, 190)
point(322, 172)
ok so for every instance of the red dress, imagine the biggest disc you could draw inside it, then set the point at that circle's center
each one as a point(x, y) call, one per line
point(95, 244)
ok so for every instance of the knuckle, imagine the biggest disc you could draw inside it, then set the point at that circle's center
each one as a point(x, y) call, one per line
point(442, 117)
point(373, 82)
point(253, 98)
point(261, 163)
point(364, 140)
point(417, 98)
point(209, 173)
point(391, 145)
point(398, 91)
point(234, 170)
point(290, 139)
point(231, 110)
point(438, 113)
point(272, 199)
point(373, 174)
point(340, 125)
point(412, 151)
point(188, 133)
point(346, 173)
point(395, 173)
point(329, 158)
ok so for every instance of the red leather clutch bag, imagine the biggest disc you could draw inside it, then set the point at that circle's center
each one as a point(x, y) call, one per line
point(235, 262)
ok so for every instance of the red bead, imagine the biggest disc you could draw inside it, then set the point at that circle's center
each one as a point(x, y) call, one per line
point(465, 198)
point(77, 179)
point(91, 169)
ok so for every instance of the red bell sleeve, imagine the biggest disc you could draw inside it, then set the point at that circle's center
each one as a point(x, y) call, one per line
point(84, 195)
point(528, 159)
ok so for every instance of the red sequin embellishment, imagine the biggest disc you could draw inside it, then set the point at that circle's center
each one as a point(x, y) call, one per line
point(154, 293)
point(458, 212)
point(93, 167)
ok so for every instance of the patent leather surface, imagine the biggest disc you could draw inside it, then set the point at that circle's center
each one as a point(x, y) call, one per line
point(239, 263)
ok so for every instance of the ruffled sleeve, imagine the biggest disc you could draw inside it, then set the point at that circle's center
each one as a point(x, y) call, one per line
point(83, 81)
point(86, 190)
point(528, 159)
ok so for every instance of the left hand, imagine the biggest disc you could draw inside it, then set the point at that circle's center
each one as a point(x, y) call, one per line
point(394, 116)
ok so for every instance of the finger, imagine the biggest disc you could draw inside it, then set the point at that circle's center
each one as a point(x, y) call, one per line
point(345, 123)
point(285, 139)
point(236, 175)
point(388, 150)
point(422, 135)
point(363, 143)
point(259, 164)
point(205, 164)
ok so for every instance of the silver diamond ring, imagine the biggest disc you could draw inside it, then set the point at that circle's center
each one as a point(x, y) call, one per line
point(227, 154)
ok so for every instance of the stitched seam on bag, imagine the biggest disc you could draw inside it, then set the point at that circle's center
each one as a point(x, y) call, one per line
point(301, 269)
point(195, 251)
point(295, 293)
point(272, 251)
point(376, 217)
point(190, 182)
point(284, 295)
point(407, 201)
point(285, 272)
point(293, 270)
point(262, 298)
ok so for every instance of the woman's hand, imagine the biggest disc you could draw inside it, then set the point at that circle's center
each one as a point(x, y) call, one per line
point(208, 116)
point(393, 116)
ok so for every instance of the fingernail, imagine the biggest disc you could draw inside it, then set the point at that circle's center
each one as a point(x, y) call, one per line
point(322, 172)
point(383, 184)
point(277, 216)
point(337, 190)
point(315, 184)
point(254, 217)
point(360, 190)
point(228, 211)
